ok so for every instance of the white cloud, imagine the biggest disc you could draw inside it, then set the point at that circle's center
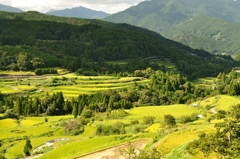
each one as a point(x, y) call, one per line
point(110, 6)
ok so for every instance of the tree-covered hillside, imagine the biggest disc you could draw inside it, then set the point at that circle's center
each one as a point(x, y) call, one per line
point(90, 43)
point(222, 37)
point(171, 17)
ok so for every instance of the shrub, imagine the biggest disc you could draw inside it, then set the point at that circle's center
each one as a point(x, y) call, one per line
point(134, 122)
point(118, 128)
point(185, 119)
point(87, 113)
point(169, 120)
point(138, 128)
point(148, 120)
point(221, 114)
point(73, 127)
point(117, 114)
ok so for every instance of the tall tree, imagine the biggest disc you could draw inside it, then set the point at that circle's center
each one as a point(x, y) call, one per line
point(27, 148)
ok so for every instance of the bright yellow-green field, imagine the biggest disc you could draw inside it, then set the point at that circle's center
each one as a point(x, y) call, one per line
point(158, 112)
point(8, 90)
point(25, 87)
point(181, 137)
point(7, 123)
point(154, 128)
point(32, 126)
point(220, 102)
point(17, 149)
point(81, 147)
point(17, 73)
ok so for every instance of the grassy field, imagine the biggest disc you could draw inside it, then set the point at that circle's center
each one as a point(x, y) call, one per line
point(78, 148)
point(183, 136)
point(220, 102)
point(159, 111)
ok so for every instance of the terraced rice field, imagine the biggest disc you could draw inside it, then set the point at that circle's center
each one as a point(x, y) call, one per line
point(70, 84)
point(220, 102)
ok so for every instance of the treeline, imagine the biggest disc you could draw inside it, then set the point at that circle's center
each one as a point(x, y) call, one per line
point(41, 71)
point(21, 61)
point(228, 83)
point(84, 47)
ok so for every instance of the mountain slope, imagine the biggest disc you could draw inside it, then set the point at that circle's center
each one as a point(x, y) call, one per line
point(161, 16)
point(9, 9)
point(88, 41)
point(222, 37)
point(79, 12)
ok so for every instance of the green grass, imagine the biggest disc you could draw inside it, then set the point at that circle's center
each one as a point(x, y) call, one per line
point(17, 149)
point(177, 153)
point(78, 148)
point(154, 128)
point(220, 102)
point(8, 90)
point(32, 126)
point(168, 65)
point(25, 87)
point(176, 139)
point(206, 82)
point(7, 123)
point(16, 72)
point(159, 111)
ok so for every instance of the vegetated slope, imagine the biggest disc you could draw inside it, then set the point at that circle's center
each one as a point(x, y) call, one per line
point(79, 12)
point(222, 37)
point(83, 44)
point(9, 9)
point(160, 16)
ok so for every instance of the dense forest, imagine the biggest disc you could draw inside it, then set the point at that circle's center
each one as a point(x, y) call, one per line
point(89, 46)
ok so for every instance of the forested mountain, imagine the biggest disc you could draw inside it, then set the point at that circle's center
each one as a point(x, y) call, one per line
point(166, 16)
point(79, 12)
point(222, 37)
point(9, 9)
point(30, 40)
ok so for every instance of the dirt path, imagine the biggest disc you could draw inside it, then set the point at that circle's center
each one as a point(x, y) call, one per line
point(114, 153)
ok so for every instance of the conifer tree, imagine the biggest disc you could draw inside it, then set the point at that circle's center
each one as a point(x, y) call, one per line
point(27, 148)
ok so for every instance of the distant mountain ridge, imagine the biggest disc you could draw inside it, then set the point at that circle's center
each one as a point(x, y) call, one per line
point(169, 16)
point(6, 8)
point(79, 12)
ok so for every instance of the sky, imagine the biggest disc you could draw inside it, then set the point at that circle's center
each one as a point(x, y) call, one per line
point(109, 6)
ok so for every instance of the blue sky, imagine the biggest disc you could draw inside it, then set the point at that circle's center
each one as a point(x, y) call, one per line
point(109, 6)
